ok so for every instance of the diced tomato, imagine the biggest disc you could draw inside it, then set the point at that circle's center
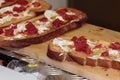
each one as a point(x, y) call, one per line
point(115, 45)
point(57, 23)
point(81, 44)
point(72, 17)
point(10, 32)
point(15, 15)
point(8, 12)
point(44, 19)
point(19, 9)
point(22, 2)
point(36, 4)
point(98, 46)
point(105, 54)
point(30, 29)
point(1, 30)
point(62, 11)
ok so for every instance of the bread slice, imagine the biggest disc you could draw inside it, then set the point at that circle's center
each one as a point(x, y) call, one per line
point(42, 28)
point(102, 53)
point(5, 3)
point(22, 11)
point(116, 63)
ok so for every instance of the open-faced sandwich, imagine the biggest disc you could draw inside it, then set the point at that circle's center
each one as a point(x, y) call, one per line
point(21, 10)
point(86, 52)
point(42, 28)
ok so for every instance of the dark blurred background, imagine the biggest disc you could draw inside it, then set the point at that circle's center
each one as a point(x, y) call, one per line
point(104, 13)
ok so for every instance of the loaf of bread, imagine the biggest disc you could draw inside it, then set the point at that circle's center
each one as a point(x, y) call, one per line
point(4, 3)
point(86, 52)
point(42, 28)
point(22, 10)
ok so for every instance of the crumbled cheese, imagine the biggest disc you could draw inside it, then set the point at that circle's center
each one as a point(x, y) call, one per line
point(19, 36)
point(63, 44)
point(20, 28)
point(5, 19)
point(50, 14)
point(42, 26)
point(60, 18)
point(91, 43)
point(9, 8)
point(95, 56)
point(114, 53)
point(70, 13)
point(41, 29)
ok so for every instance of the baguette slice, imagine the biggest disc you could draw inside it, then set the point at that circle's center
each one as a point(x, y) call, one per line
point(4, 3)
point(22, 10)
point(103, 54)
point(42, 28)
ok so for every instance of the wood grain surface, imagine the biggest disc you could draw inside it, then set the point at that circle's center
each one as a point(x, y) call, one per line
point(39, 51)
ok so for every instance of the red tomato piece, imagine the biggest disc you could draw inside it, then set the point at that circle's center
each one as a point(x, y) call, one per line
point(105, 54)
point(81, 44)
point(1, 30)
point(36, 4)
point(30, 29)
point(15, 15)
point(115, 45)
point(8, 12)
point(44, 19)
point(98, 46)
point(57, 23)
point(10, 32)
point(22, 2)
point(19, 9)
point(62, 11)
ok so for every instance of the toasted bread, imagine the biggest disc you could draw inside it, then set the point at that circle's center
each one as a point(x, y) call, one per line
point(53, 26)
point(5, 3)
point(20, 11)
point(102, 53)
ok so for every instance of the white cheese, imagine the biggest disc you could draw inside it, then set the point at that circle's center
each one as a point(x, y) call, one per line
point(94, 56)
point(60, 18)
point(50, 14)
point(91, 43)
point(42, 26)
point(70, 13)
point(20, 28)
point(2, 10)
point(5, 19)
point(19, 36)
point(114, 53)
point(1, 2)
point(63, 44)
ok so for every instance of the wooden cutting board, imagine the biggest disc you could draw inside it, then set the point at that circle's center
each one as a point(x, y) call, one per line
point(39, 51)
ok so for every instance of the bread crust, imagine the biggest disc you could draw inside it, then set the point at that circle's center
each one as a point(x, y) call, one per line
point(8, 3)
point(116, 64)
point(47, 35)
point(38, 39)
